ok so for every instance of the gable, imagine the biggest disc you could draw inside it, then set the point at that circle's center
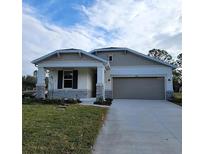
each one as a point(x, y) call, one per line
point(122, 58)
point(68, 57)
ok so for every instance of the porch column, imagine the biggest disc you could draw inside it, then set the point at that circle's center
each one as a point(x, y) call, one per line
point(40, 86)
point(100, 90)
point(169, 86)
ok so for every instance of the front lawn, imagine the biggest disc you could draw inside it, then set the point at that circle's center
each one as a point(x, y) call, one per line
point(50, 129)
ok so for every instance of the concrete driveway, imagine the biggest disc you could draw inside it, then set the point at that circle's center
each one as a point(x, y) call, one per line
point(141, 127)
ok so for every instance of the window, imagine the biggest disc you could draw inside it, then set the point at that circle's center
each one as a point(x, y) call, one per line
point(68, 79)
point(110, 58)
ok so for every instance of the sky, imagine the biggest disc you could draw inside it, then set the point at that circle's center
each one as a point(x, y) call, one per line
point(141, 25)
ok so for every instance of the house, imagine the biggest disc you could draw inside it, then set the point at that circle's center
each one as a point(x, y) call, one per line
point(119, 73)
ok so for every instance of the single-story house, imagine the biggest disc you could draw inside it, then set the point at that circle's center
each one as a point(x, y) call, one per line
point(119, 73)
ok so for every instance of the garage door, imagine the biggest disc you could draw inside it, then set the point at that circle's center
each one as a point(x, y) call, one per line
point(138, 88)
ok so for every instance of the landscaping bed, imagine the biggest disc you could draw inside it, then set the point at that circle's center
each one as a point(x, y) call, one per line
point(28, 100)
point(101, 101)
point(50, 129)
point(177, 98)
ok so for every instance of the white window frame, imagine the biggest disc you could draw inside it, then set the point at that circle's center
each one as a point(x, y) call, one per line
point(67, 79)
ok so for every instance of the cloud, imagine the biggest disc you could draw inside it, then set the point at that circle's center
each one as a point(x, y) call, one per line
point(172, 43)
point(138, 24)
point(40, 38)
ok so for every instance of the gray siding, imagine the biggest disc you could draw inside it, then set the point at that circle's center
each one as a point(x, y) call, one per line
point(70, 57)
point(122, 58)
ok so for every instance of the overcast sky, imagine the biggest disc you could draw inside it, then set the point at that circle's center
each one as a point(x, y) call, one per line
point(141, 25)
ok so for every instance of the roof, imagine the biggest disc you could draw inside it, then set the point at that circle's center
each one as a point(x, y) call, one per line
point(71, 50)
point(134, 52)
point(108, 48)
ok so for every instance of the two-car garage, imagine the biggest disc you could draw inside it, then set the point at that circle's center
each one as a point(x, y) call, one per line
point(139, 88)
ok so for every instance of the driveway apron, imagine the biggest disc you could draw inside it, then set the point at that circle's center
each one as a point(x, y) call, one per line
point(141, 127)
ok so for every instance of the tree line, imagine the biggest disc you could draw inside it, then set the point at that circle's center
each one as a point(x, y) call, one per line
point(166, 57)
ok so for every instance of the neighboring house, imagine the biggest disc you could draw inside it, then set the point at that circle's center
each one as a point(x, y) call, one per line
point(118, 73)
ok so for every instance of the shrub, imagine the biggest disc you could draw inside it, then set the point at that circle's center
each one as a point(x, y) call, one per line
point(109, 99)
point(28, 100)
point(50, 101)
point(72, 101)
point(29, 94)
point(177, 99)
point(100, 101)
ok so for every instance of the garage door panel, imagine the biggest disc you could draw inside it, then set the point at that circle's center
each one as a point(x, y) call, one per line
point(138, 88)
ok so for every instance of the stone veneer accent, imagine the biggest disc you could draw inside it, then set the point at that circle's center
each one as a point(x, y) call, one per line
point(69, 93)
point(99, 90)
point(169, 95)
point(40, 91)
point(108, 93)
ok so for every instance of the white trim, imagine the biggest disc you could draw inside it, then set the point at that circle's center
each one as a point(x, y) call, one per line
point(139, 66)
point(69, 89)
point(95, 57)
point(43, 57)
point(67, 79)
point(148, 70)
point(70, 64)
point(165, 87)
point(164, 77)
point(140, 75)
point(68, 51)
point(134, 52)
point(144, 71)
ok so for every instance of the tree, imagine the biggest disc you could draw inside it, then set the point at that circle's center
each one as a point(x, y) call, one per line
point(179, 60)
point(28, 82)
point(177, 74)
point(166, 57)
point(161, 55)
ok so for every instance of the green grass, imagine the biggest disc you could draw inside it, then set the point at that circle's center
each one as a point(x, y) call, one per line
point(177, 98)
point(50, 129)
